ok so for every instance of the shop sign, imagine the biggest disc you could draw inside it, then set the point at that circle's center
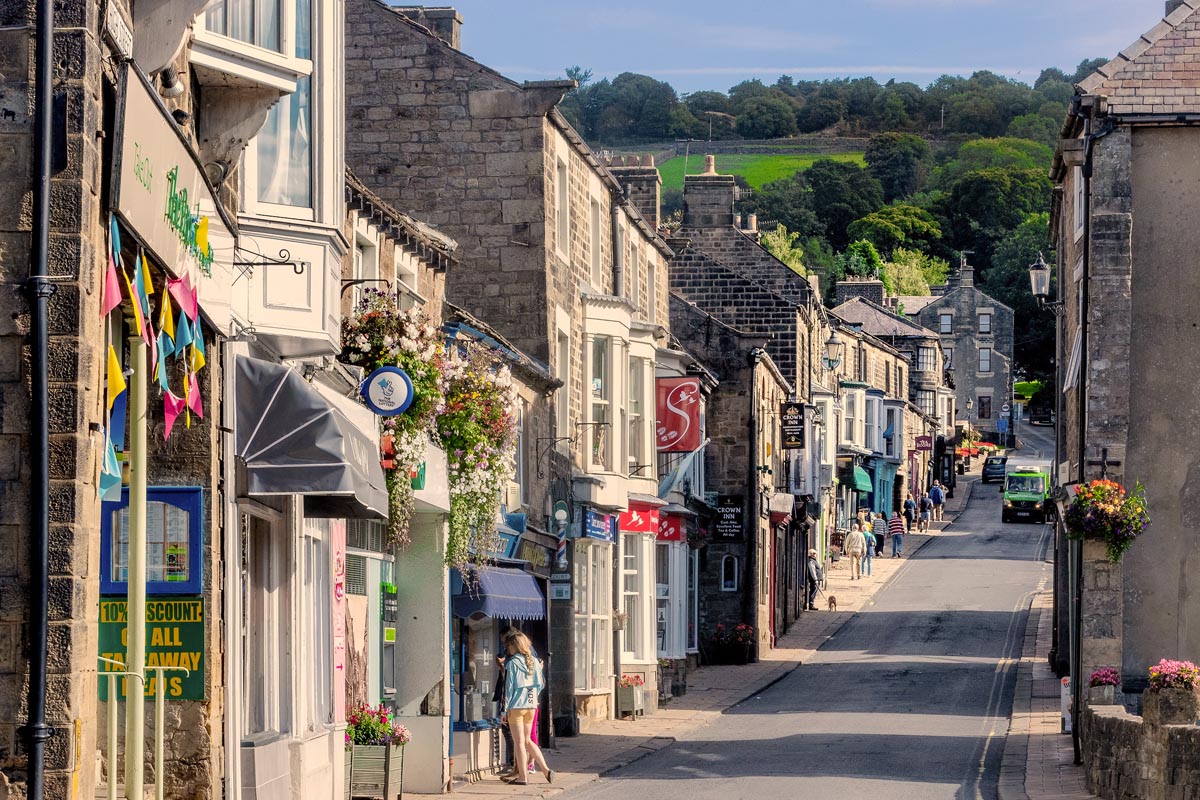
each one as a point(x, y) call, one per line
point(598, 526)
point(670, 528)
point(731, 509)
point(535, 554)
point(560, 591)
point(388, 391)
point(162, 194)
point(174, 638)
point(677, 414)
point(640, 518)
point(924, 443)
point(791, 426)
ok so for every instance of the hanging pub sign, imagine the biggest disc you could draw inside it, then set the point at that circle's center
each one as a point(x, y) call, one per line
point(791, 424)
point(677, 414)
point(174, 638)
point(924, 443)
point(160, 191)
point(731, 509)
point(388, 391)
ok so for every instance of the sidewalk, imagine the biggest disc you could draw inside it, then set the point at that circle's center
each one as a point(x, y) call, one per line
point(1039, 761)
point(612, 744)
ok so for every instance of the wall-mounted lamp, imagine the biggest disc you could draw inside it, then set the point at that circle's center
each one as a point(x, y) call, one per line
point(169, 84)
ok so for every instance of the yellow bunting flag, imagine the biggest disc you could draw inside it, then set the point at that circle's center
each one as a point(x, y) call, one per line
point(137, 305)
point(198, 360)
point(116, 378)
point(202, 236)
point(166, 323)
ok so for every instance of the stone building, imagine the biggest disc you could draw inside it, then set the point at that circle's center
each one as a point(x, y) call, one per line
point(1124, 224)
point(976, 333)
point(750, 574)
point(560, 262)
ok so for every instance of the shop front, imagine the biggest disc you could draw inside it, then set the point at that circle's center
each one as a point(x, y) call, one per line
point(592, 649)
point(645, 588)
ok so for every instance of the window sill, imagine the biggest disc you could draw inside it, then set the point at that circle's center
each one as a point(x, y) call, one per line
point(592, 692)
point(222, 61)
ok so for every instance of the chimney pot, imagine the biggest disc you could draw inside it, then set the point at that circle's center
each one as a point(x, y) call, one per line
point(648, 160)
point(752, 222)
point(710, 165)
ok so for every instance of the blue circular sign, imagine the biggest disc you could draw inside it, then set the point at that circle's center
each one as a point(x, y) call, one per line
point(388, 391)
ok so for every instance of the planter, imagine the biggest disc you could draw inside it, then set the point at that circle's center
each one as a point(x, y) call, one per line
point(1101, 695)
point(631, 700)
point(1171, 707)
point(378, 771)
point(729, 654)
point(349, 771)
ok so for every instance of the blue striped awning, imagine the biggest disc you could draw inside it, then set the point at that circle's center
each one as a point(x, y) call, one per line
point(499, 593)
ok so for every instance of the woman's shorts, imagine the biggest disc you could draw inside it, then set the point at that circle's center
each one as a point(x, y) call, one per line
point(521, 715)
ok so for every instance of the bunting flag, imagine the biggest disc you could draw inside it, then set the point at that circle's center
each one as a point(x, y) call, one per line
point(194, 293)
point(116, 378)
point(166, 346)
point(161, 372)
point(202, 235)
point(183, 334)
point(110, 474)
point(187, 398)
point(112, 289)
point(114, 237)
point(116, 422)
point(172, 407)
point(137, 305)
point(166, 323)
point(141, 272)
point(194, 403)
point(185, 295)
point(198, 359)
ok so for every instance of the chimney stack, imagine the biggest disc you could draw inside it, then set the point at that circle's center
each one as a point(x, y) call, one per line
point(642, 184)
point(446, 23)
point(1172, 5)
point(708, 198)
point(966, 273)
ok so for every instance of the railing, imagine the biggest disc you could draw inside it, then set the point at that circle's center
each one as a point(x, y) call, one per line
point(159, 720)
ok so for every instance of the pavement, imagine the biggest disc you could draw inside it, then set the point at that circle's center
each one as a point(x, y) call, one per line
point(612, 745)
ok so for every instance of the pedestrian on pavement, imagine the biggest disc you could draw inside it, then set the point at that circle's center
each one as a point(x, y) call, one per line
point(910, 512)
point(856, 547)
point(897, 529)
point(926, 506)
point(879, 530)
point(498, 697)
point(869, 541)
point(524, 682)
point(938, 495)
point(814, 579)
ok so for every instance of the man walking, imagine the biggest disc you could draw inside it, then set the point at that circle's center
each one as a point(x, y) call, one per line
point(938, 496)
point(897, 529)
point(814, 579)
point(856, 546)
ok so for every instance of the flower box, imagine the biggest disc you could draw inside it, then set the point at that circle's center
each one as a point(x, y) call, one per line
point(1101, 695)
point(349, 772)
point(631, 700)
point(1171, 706)
point(378, 771)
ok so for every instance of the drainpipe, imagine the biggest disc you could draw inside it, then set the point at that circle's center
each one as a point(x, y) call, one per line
point(752, 565)
point(618, 246)
point(39, 289)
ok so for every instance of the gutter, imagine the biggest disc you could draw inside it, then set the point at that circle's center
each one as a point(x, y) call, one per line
point(618, 244)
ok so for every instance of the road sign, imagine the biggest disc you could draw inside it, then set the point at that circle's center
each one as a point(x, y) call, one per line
point(1002, 425)
point(1004, 409)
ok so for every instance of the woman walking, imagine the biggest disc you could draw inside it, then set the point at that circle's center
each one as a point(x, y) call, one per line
point(522, 687)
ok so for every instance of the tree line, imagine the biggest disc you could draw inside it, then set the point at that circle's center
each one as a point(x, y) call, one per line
point(636, 109)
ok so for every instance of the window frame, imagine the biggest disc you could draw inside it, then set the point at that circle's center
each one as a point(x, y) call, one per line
point(871, 422)
point(985, 315)
point(636, 410)
point(562, 209)
point(562, 409)
point(926, 358)
point(927, 401)
point(266, 632)
point(597, 265)
point(632, 599)
point(983, 402)
point(945, 322)
point(600, 438)
point(984, 366)
point(729, 568)
point(592, 561)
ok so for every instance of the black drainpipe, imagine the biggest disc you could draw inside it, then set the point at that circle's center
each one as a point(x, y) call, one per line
point(618, 246)
point(752, 524)
point(38, 289)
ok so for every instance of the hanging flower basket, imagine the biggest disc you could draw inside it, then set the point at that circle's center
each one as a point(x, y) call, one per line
point(1104, 511)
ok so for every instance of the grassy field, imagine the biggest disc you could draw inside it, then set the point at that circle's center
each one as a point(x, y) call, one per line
point(757, 169)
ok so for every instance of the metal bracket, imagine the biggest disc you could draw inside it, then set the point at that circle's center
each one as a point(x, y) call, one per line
point(348, 283)
point(543, 452)
point(285, 259)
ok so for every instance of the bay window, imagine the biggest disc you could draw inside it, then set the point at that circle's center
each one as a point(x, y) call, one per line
point(892, 432)
point(872, 423)
point(926, 401)
point(285, 150)
point(636, 446)
point(254, 22)
point(601, 402)
point(926, 359)
point(849, 417)
point(592, 579)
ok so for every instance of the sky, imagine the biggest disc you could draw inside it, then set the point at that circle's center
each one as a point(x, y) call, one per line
point(702, 44)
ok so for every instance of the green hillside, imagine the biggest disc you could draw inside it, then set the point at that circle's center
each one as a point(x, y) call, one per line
point(756, 169)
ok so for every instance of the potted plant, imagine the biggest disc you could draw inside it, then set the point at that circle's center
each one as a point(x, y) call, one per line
point(630, 695)
point(377, 758)
point(742, 640)
point(1172, 698)
point(1104, 511)
point(1102, 686)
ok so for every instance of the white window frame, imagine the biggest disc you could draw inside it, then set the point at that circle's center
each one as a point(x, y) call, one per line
point(521, 462)
point(636, 440)
point(651, 291)
point(926, 358)
point(315, 623)
point(985, 361)
point(850, 424)
point(562, 212)
point(986, 330)
point(601, 452)
point(729, 569)
point(632, 596)
point(693, 594)
point(266, 628)
point(633, 273)
point(871, 422)
point(927, 401)
point(1078, 202)
point(891, 418)
point(593, 615)
point(562, 371)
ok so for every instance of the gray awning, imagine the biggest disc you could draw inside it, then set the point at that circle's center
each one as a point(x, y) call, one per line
point(291, 440)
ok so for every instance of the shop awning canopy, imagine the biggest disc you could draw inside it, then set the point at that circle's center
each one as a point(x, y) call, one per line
point(291, 440)
point(500, 593)
point(862, 481)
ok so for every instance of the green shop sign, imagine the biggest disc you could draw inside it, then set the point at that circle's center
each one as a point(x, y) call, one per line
point(174, 638)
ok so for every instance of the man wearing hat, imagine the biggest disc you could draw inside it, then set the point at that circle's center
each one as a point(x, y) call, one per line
point(814, 579)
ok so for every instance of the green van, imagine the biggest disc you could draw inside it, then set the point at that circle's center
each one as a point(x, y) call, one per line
point(1026, 496)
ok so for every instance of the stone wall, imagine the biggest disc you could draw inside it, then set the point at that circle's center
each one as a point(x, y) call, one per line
point(1126, 759)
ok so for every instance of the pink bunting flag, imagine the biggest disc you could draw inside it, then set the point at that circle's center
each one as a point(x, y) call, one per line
point(172, 408)
point(195, 309)
point(185, 295)
point(112, 289)
point(193, 398)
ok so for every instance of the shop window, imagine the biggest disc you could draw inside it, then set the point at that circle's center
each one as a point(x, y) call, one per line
point(729, 573)
point(173, 538)
point(593, 615)
point(601, 402)
point(693, 615)
point(475, 646)
point(365, 534)
point(316, 653)
point(662, 596)
point(266, 630)
point(631, 576)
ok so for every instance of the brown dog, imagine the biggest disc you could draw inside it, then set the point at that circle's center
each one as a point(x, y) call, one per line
point(832, 603)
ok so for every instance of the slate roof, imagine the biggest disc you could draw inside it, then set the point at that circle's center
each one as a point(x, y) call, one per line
point(915, 304)
point(1157, 74)
point(877, 320)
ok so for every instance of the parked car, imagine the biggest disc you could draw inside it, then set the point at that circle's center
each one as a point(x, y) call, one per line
point(1026, 496)
point(994, 468)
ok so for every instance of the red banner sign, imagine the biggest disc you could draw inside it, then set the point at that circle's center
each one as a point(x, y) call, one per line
point(670, 528)
point(924, 443)
point(640, 518)
point(677, 410)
